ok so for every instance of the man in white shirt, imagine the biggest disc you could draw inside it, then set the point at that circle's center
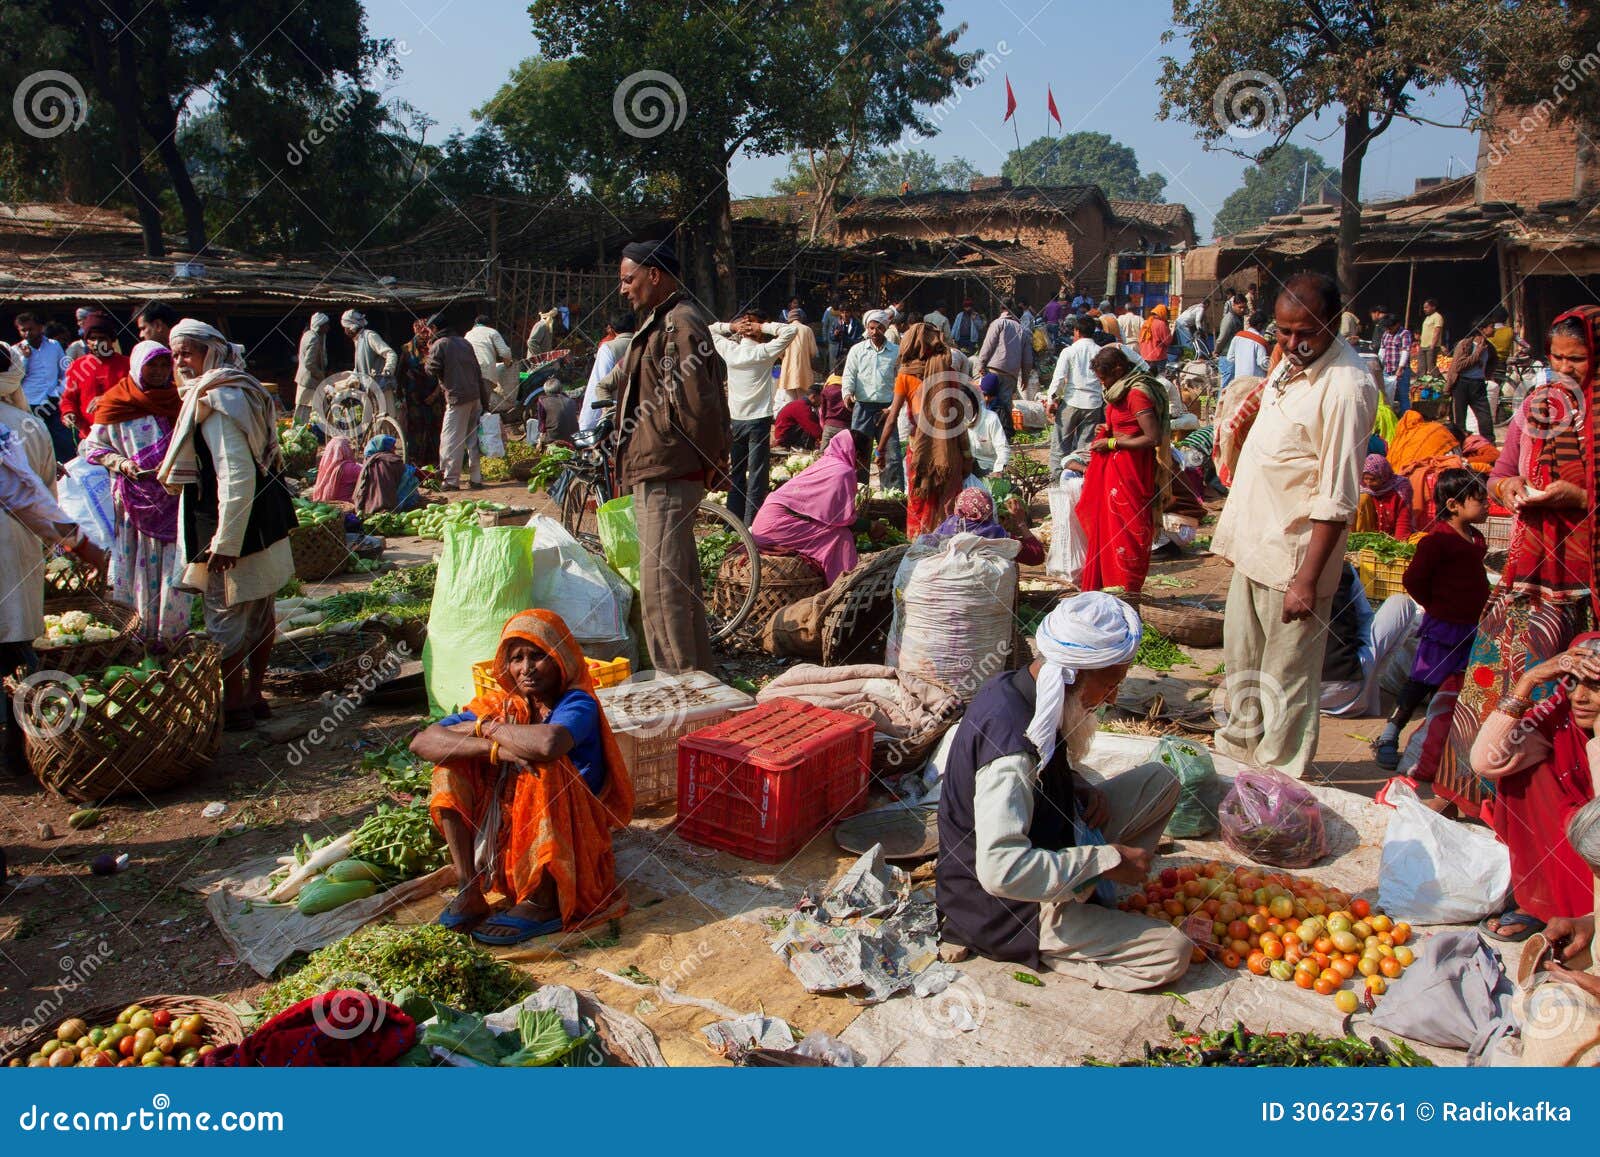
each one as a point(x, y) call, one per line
point(607, 357)
point(991, 450)
point(1295, 491)
point(751, 346)
point(936, 318)
point(1074, 400)
point(1191, 329)
point(869, 373)
point(492, 351)
point(1129, 323)
point(1250, 351)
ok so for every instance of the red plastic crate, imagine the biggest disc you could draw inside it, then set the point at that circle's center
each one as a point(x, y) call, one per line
point(764, 782)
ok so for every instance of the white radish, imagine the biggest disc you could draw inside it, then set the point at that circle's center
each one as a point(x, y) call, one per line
point(319, 861)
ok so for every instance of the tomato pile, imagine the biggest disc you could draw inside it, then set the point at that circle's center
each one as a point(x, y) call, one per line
point(138, 1037)
point(1282, 926)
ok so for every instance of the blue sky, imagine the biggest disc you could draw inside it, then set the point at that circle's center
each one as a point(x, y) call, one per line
point(456, 53)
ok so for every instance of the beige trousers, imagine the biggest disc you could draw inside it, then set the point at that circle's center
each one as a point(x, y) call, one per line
point(1126, 951)
point(459, 436)
point(1273, 678)
point(673, 604)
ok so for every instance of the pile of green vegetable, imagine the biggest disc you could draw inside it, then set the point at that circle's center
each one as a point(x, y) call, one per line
point(399, 770)
point(309, 513)
point(1159, 653)
point(499, 469)
point(1029, 475)
point(412, 582)
point(401, 840)
point(400, 961)
point(712, 549)
point(540, 1040)
point(1387, 549)
point(891, 537)
point(1238, 1047)
point(548, 469)
point(431, 521)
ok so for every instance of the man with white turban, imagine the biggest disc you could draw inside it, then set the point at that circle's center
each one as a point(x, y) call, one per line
point(376, 362)
point(869, 373)
point(1023, 840)
point(235, 514)
point(312, 367)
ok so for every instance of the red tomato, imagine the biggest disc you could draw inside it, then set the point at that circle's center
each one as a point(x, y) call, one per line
point(1324, 986)
point(1258, 964)
point(1230, 959)
point(1360, 909)
point(1304, 978)
point(1169, 877)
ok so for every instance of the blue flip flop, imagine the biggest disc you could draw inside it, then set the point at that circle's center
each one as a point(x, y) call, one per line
point(455, 921)
point(517, 930)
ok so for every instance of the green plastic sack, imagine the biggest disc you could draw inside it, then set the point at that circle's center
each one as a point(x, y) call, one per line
point(485, 577)
point(1195, 814)
point(619, 537)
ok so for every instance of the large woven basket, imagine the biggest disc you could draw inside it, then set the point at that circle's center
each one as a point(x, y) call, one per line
point(82, 658)
point(1191, 623)
point(223, 1026)
point(860, 610)
point(784, 579)
point(890, 510)
point(142, 738)
point(78, 579)
point(1042, 600)
point(319, 549)
point(309, 666)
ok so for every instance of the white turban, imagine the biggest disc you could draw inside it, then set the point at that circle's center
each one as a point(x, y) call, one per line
point(353, 319)
point(11, 379)
point(1087, 632)
point(319, 321)
point(219, 350)
point(1583, 831)
point(881, 316)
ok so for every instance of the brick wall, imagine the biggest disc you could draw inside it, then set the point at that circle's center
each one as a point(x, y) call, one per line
point(1525, 157)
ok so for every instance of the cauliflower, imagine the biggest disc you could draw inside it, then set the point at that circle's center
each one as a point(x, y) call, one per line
point(76, 622)
point(98, 634)
point(58, 565)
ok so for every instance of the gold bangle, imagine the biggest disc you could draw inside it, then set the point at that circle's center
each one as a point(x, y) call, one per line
point(477, 728)
point(1111, 442)
point(494, 751)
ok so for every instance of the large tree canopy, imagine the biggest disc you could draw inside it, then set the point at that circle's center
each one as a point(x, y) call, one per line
point(1084, 159)
point(1281, 183)
point(882, 172)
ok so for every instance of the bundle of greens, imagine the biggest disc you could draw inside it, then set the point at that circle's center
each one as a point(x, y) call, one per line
point(1159, 653)
point(540, 1040)
point(391, 960)
point(401, 840)
point(398, 770)
point(548, 469)
point(414, 582)
point(1238, 1047)
point(1387, 549)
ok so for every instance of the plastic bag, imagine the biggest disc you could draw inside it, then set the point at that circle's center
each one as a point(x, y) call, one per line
point(85, 494)
point(587, 594)
point(491, 436)
point(1437, 871)
point(1068, 547)
point(485, 577)
point(962, 579)
point(1273, 820)
point(1195, 814)
point(619, 536)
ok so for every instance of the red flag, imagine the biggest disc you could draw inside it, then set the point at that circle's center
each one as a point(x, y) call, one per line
point(1011, 102)
point(1050, 98)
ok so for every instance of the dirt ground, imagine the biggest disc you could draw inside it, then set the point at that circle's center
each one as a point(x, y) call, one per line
point(70, 940)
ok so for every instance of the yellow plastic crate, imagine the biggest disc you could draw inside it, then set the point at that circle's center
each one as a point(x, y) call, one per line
point(1380, 577)
point(605, 674)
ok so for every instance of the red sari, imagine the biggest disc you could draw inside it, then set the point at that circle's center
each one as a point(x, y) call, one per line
point(1118, 509)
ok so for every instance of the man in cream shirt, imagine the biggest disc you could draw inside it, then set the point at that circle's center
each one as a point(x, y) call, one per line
point(1294, 493)
point(751, 346)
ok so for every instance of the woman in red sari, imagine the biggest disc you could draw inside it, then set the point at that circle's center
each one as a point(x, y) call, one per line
point(1124, 488)
point(1536, 758)
point(528, 784)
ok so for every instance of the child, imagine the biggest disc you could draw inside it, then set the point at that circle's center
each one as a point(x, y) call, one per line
point(1447, 578)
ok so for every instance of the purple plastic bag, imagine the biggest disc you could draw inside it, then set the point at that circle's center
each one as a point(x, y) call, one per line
point(1273, 820)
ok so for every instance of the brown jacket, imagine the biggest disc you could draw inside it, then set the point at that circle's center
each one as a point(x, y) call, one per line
point(1468, 353)
point(672, 405)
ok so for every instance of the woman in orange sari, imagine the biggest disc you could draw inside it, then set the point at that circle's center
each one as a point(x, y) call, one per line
point(527, 785)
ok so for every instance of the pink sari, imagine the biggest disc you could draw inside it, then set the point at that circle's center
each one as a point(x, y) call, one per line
point(337, 471)
point(813, 514)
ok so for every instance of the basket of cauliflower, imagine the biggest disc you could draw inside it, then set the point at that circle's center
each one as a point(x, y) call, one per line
point(66, 575)
point(85, 632)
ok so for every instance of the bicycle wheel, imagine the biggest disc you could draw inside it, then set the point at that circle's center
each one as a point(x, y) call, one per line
point(578, 515)
point(384, 424)
point(717, 533)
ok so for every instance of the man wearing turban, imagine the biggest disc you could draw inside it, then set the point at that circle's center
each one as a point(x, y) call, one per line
point(1024, 839)
point(312, 366)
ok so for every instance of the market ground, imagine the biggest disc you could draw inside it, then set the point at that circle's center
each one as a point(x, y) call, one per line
point(70, 940)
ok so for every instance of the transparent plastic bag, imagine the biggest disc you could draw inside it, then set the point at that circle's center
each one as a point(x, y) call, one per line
point(1195, 814)
point(1273, 820)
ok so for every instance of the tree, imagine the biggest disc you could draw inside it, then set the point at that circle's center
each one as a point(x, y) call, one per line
point(1083, 159)
point(1258, 69)
point(692, 86)
point(1280, 184)
point(881, 173)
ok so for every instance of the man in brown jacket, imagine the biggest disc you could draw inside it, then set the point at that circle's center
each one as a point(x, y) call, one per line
point(673, 432)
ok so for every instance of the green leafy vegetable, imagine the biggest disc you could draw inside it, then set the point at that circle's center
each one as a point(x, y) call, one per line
point(544, 1040)
point(1160, 653)
point(1387, 549)
point(401, 840)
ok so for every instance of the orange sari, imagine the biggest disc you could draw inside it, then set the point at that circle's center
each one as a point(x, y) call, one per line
point(548, 819)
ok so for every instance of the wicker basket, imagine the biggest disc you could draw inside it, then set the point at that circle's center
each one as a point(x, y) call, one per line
point(310, 666)
point(891, 757)
point(140, 738)
point(1188, 622)
point(859, 610)
point(522, 468)
point(320, 550)
point(890, 510)
point(784, 579)
point(1497, 532)
point(79, 579)
point(515, 516)
point(82, 658)
point(1042, 600)
point(223, 1026)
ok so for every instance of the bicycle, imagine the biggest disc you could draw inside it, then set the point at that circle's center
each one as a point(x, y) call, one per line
point(589, 481)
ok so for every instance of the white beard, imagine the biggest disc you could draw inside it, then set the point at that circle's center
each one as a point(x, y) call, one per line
point(1078, 725)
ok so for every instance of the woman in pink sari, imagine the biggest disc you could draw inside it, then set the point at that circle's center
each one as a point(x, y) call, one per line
point(813, 514)
point(337, 472)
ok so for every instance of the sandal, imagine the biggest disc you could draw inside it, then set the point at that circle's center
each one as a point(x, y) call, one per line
point(1387, 753)
point(1517, 918)
point(514, 930)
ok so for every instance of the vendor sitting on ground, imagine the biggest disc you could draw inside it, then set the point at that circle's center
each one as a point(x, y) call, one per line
point(527, 784)
point(813, 514)
point(386, 482)
point(976, 513)
point(1385, 505)
point(798, 425)
point(1023, 840)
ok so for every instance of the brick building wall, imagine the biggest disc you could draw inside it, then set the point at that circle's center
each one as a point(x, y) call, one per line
point(1525, 157)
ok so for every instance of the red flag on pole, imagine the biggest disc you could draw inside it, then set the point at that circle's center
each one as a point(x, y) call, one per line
point(1050, 98)
point(1011, 102)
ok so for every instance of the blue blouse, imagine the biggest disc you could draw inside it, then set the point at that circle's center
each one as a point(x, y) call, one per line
point(578, 712)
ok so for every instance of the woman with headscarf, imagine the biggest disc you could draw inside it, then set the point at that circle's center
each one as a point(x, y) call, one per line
point(1155, 335)
point(1385, 500)
point(1550, 582)
point(1125, 486)
point(311, 366)
point(528, 785)
point(385, 481)
point(833, 411)
point(420, 391)
point(940, 403)
point(132, 431)
point(813, 514)
point(235, 513)
point(337, 471)
point(977, 513)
